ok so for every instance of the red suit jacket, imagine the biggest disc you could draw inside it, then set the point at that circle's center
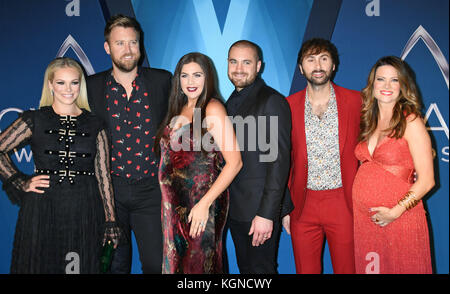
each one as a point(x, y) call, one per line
point(349, 108)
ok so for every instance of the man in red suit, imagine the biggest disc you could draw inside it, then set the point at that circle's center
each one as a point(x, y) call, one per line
point(325, 127)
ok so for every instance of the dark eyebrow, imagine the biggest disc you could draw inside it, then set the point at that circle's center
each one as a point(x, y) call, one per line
point(192, 73)
point(234, 59)
point(319, 55)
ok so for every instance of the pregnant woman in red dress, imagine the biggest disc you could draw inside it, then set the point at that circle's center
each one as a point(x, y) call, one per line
point(390, 226)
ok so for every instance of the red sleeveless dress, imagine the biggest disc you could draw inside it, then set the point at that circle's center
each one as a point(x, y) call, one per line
point(403, 246)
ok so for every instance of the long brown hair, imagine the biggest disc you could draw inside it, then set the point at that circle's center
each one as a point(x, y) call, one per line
point(407, 103)
point(177, 99)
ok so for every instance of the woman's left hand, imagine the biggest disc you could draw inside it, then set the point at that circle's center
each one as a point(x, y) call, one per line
point(383, 215)
point(198, 217)
point(112, 232)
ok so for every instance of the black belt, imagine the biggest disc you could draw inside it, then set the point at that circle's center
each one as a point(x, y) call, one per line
point(62, 153)
point(70, 174)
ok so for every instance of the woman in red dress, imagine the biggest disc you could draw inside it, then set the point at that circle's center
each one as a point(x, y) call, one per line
point(390, 226)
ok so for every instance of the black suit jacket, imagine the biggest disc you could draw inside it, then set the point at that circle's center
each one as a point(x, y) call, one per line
point(157, 82)
point(260, 187)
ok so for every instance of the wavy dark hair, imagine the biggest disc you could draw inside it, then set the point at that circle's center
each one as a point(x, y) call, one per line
point(316, 46)
point(407, 103)
point(177, 99)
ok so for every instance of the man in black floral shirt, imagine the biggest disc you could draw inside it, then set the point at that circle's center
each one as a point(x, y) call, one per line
point(132, 101)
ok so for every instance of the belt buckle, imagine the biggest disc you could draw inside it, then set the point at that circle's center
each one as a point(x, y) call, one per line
point(69, 173)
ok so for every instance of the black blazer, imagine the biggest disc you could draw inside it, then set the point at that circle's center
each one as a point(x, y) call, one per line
point(157, 81)
point(260, 187)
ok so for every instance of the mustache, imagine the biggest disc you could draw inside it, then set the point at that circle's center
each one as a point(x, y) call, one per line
point(128, 55)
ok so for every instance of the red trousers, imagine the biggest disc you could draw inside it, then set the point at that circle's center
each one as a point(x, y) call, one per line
point(325, 214)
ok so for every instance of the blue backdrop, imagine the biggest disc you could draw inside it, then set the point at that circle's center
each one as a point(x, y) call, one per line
point(34, 33)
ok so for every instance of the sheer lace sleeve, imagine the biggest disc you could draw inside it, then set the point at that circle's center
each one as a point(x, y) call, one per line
point(14, 181)
point(102, 172)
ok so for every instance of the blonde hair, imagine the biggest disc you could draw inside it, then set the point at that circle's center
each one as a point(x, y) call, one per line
point(58, 63)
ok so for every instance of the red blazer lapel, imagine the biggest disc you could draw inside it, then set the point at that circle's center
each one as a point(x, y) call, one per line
point(301, 130)
point(342, 117)
point(298, 126)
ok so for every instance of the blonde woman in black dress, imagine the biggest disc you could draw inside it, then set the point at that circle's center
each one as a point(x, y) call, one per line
point(66, 206)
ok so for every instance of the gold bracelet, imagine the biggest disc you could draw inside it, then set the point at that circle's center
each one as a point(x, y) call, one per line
point(408, 201)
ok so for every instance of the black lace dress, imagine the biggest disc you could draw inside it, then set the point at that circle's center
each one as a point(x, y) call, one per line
point(63, 229)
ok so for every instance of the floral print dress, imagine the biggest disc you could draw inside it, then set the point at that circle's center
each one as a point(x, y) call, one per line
point(185, 176)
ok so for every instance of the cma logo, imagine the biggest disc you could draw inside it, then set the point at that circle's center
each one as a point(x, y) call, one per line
point(23, 154)
point(71, 43)
point(373, 8)
point(422, 34)
point(73, 8)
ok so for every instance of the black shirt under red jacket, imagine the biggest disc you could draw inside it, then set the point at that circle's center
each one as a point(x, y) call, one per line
point(132, 122)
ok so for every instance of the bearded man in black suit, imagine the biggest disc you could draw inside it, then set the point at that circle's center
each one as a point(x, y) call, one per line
point(257, 195)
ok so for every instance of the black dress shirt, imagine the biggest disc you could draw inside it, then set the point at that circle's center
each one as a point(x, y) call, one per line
point(132, 130)
point(236, 98)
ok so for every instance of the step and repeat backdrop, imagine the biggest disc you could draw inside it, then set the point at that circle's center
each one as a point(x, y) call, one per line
point(35, 32)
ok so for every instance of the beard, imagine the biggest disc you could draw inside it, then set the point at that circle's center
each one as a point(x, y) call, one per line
point(242, 82)
point(318, 81)
point(126, 65)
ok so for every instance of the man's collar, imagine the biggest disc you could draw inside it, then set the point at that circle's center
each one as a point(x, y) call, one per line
point(332, 92)
point(247, 89)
